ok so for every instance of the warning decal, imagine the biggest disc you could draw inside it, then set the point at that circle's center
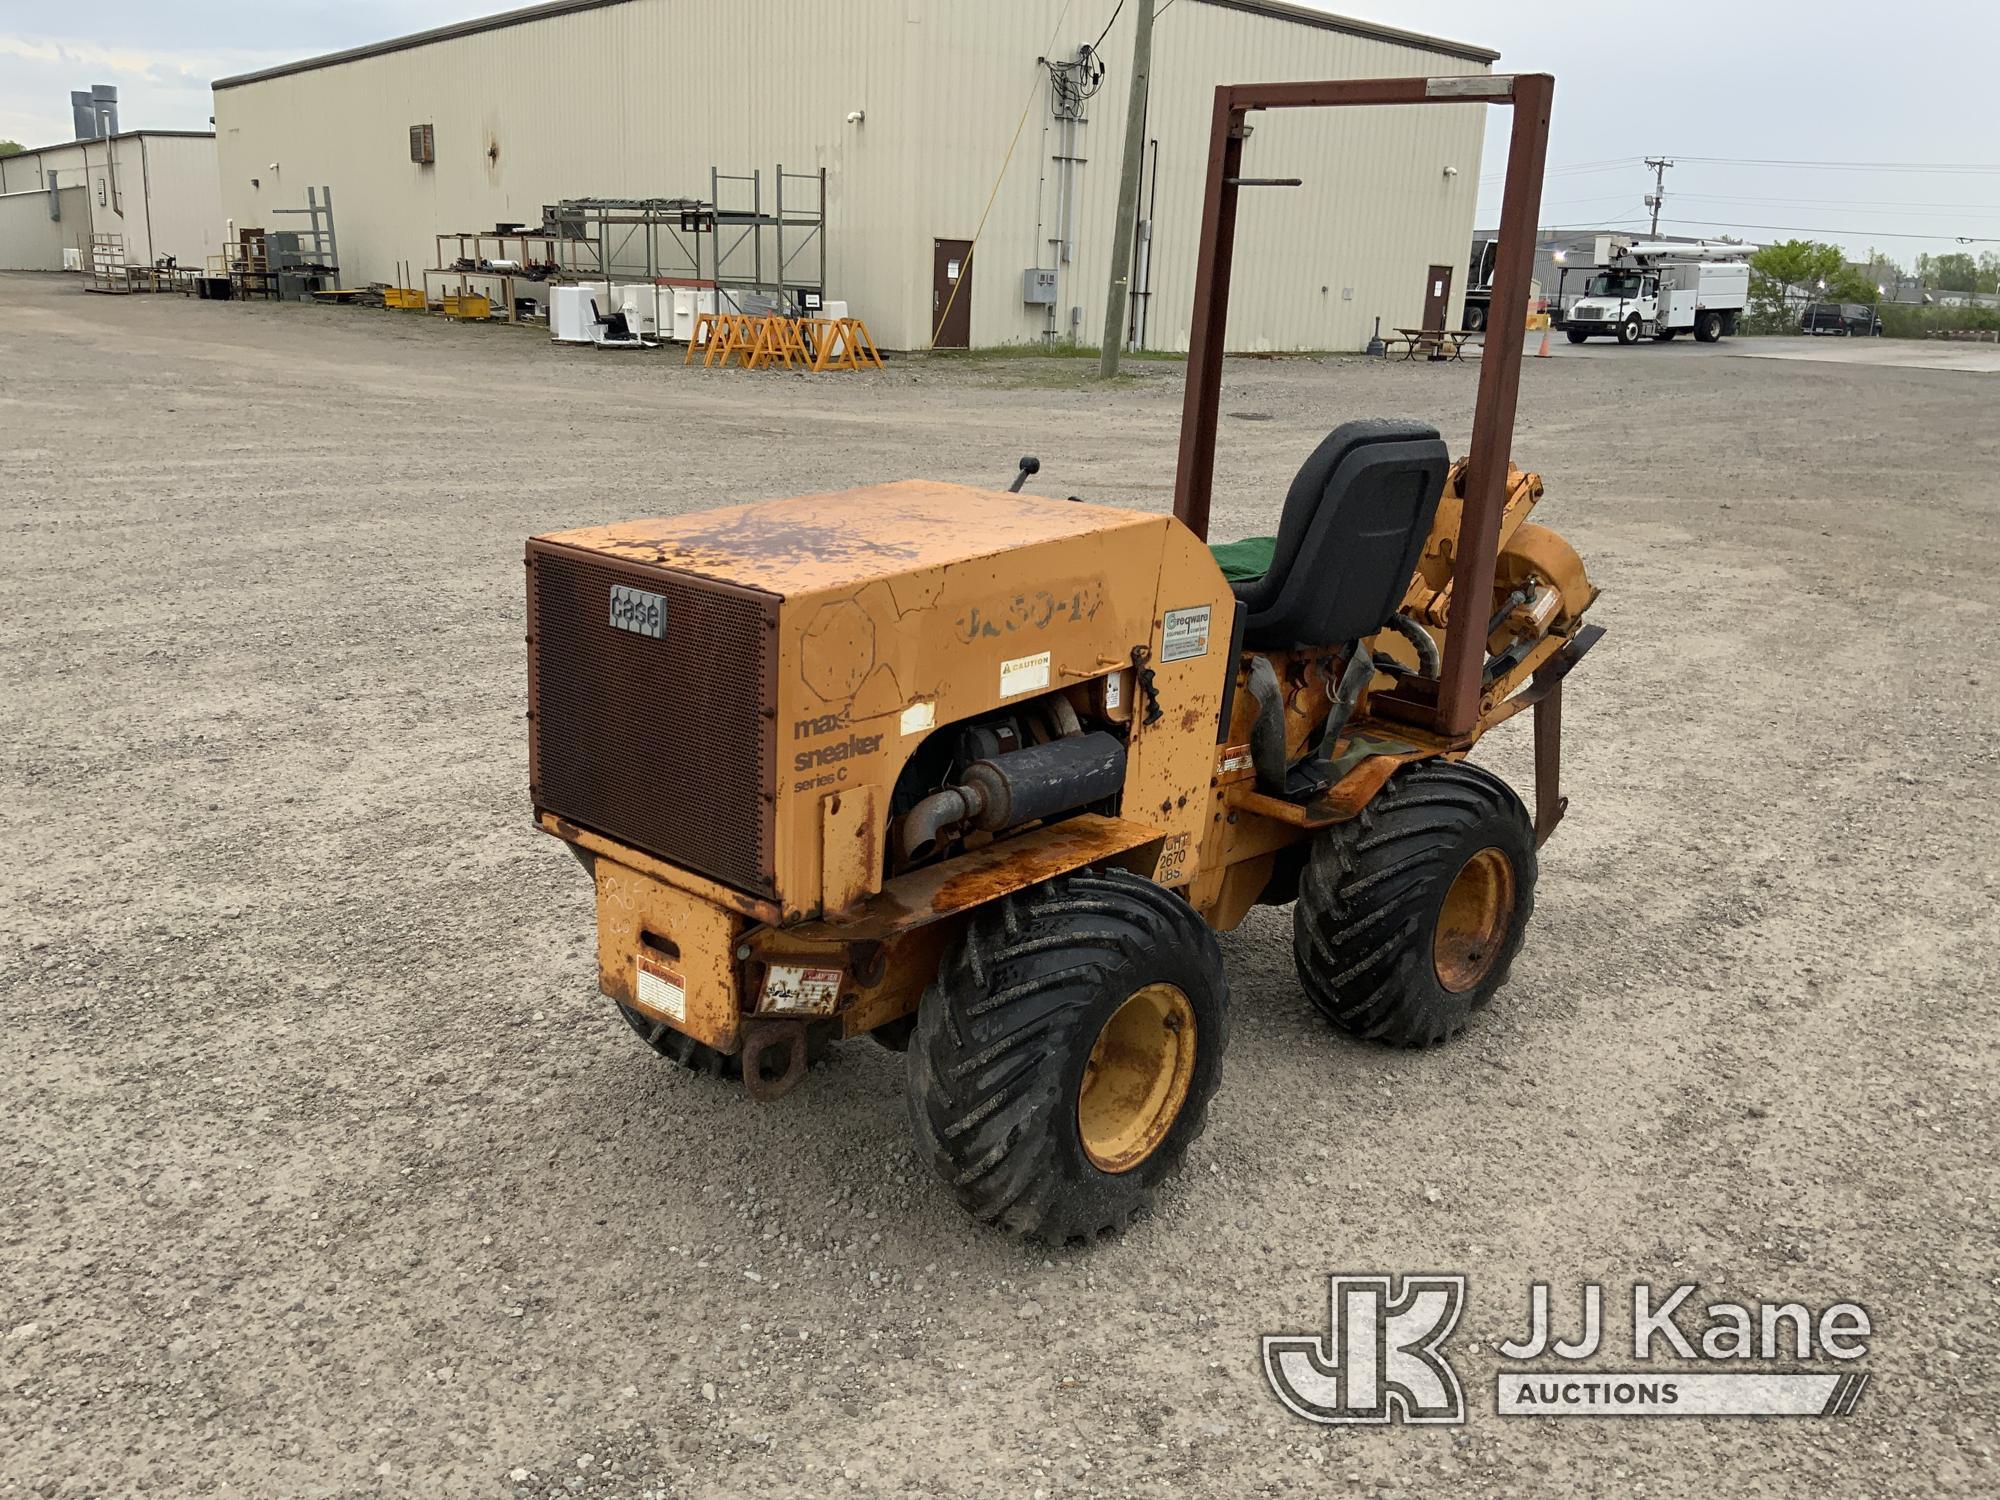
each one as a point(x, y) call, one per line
point(1024, 674)
point(660, 990)
point(795, 988)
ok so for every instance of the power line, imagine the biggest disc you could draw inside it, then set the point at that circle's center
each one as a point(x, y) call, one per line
point(1864, 206)
point(1858, 204)
point(1846, 166)
point(1613, 164)
point(1577, 168)
point(1605, 164)
point(998, 178)
point(1781, 203)
point(1881, 234)
point(1581, 169)
point(1158, 11)
point(1579, 202)
point(1637, 216)
point(1109, 27)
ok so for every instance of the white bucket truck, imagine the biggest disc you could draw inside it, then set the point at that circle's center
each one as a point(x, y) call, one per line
point(1656, 289)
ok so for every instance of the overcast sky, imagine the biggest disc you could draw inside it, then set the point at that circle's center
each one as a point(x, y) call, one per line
point(1838, 83)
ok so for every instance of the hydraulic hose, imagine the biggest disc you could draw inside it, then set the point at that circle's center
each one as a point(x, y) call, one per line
point(1267, 734)
point(1354, 680)
point(1429, 662)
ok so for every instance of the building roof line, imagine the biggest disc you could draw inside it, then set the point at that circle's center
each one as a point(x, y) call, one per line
point(1323, 20)
point(1279, 10)
point(123, 135)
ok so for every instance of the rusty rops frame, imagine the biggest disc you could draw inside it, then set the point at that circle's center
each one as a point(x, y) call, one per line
point(1499, 365)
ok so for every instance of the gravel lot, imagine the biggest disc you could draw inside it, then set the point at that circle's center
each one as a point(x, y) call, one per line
point(325, 1171)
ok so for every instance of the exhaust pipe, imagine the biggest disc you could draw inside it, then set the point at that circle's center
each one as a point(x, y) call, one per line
point(1021, 786)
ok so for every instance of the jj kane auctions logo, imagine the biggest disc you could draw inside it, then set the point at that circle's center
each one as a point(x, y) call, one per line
point(1382, 1358)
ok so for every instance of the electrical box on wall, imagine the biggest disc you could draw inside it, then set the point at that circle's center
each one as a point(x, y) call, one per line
point(1038, 287)
point(423, 145)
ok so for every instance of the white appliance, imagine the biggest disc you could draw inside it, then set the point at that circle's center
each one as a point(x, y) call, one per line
point(570, 319)
point(690, 302)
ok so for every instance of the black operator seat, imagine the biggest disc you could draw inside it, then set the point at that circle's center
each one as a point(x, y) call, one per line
point(1354, 524)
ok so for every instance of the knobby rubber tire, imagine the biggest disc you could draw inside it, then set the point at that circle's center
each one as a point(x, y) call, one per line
point(1373, 889)
point(1003, 1035)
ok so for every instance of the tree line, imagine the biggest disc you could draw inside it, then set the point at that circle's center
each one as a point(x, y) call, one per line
point(1786, 276)
point(1813, 271)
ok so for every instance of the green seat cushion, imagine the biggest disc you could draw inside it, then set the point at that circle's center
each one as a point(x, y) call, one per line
point(1247, 559)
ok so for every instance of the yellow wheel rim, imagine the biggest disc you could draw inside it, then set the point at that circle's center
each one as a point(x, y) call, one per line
point(1137, 1078)
point(1473, 924)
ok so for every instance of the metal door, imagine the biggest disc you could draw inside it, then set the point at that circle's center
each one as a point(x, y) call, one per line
point(1437, 297)
point(951, 294)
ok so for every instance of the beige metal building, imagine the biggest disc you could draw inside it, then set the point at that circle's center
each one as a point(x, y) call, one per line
point(931, 119)
point(157, 189)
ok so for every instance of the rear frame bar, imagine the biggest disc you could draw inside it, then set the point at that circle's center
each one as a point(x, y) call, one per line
point(1500, 363)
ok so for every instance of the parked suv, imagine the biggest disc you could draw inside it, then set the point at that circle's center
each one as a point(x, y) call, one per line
point(1840, 317)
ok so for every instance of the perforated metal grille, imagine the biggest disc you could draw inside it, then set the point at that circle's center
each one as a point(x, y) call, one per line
point(664, 744)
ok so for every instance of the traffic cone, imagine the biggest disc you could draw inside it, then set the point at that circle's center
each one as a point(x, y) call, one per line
point(1543, 352)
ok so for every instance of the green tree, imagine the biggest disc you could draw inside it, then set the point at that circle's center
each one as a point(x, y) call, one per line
point(1956, 272)
point(10, 148)
point(1802, 264)
point(1989, 270)
point(1785, 276)
point(1851, 284)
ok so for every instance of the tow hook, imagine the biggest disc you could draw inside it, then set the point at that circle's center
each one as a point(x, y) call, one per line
point(774, 1057)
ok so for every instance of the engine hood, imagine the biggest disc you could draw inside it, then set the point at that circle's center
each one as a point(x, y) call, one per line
point(845, 538)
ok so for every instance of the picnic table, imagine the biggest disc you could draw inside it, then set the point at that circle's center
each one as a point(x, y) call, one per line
point(1438, 343)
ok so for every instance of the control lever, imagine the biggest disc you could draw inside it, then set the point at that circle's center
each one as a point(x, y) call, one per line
point(1030, 466)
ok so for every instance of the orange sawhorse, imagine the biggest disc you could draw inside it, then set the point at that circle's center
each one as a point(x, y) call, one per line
point(777, 338)
point(707, 328)
point(842, 344)
point(735, 339)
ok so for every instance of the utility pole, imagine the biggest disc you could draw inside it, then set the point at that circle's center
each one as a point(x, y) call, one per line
point(1659, 164)
point(1128, 193)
